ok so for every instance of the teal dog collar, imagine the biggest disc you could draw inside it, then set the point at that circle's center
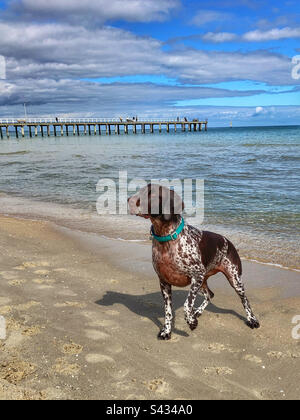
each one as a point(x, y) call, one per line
point(172, 237)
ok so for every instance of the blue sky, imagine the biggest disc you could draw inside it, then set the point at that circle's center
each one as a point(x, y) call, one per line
point(222, 60)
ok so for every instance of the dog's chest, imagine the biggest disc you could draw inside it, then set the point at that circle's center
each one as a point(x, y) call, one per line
point(178, 261)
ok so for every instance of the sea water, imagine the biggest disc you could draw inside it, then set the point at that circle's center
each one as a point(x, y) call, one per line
point(251, 176)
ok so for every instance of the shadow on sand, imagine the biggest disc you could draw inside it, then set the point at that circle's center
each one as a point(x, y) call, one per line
point(151, 306)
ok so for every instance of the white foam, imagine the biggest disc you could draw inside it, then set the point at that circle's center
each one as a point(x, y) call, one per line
point(132, 229)
point(271, 264)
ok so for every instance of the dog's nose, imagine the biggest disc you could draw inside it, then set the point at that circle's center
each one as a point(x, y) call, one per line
point(133, 205)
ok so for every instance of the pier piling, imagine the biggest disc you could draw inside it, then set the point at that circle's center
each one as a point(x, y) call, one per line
point(24, 128)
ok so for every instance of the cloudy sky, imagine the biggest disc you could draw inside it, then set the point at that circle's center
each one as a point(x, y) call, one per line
point(221, 60)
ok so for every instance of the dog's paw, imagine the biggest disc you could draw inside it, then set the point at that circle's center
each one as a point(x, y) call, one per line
point(193, 324)
point(163, 335)
point(253, 323)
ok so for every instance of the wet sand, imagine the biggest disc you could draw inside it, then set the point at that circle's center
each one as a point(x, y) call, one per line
point(83, 313)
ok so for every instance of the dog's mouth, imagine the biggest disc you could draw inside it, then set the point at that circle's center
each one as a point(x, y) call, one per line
point(145, 216)
point(137, 212)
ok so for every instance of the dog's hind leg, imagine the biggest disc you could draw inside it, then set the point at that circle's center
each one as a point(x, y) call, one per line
point(166, 290)
point(233, 275)
point(252, 321)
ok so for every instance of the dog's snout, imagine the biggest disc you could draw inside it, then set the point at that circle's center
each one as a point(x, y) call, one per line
point(133, 204)
point(134, 201)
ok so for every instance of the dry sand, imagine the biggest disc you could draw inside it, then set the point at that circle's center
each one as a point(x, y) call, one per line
point(83, 314)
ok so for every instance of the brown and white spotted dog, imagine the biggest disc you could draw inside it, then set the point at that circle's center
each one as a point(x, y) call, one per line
point(188, 260)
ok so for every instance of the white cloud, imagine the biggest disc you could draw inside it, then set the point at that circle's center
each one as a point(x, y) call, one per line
point(62, 51)
point(272, 34)
point(45, 63)
point(203, 17)
point(264, 111)
point(253, 36)
point(216, 115)
point(98, 10)
point(194, 66)
point(259, 110)
point(94, 95)
point(217, 37)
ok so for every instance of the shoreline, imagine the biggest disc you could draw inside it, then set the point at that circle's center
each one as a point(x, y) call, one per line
point(251, 247)
point(76, 304)
point(138, 241)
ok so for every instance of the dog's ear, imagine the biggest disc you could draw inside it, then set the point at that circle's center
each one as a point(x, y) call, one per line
point(172, 204)
point(145, 200)
point(178, 204)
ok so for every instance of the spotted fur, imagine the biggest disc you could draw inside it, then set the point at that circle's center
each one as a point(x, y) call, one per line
point(190, 260)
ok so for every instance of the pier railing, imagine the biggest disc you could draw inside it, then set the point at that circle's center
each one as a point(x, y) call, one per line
point(87, 120)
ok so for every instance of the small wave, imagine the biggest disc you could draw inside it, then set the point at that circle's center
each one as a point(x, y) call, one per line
point(137, 156)
point(261, 145)
point(272, 264)
point(79, 156)
point(251, 160)
point(11, 163)
point(288, 158)
point(22, 152)
point(122, 239)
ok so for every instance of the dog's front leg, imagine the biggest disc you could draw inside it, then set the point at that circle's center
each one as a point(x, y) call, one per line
point(166, 289)
point(190, 315)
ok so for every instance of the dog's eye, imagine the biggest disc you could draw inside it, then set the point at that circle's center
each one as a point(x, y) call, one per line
point(138, 202)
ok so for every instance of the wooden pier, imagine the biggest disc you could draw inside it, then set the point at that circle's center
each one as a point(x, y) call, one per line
point(61, 127)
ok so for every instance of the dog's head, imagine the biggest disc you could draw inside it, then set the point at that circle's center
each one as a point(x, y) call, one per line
point(156, 201)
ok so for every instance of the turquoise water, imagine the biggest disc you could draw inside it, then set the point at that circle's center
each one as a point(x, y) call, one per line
point(252, 176)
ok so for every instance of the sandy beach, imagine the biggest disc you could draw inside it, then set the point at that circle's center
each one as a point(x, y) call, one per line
point(83, 312)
